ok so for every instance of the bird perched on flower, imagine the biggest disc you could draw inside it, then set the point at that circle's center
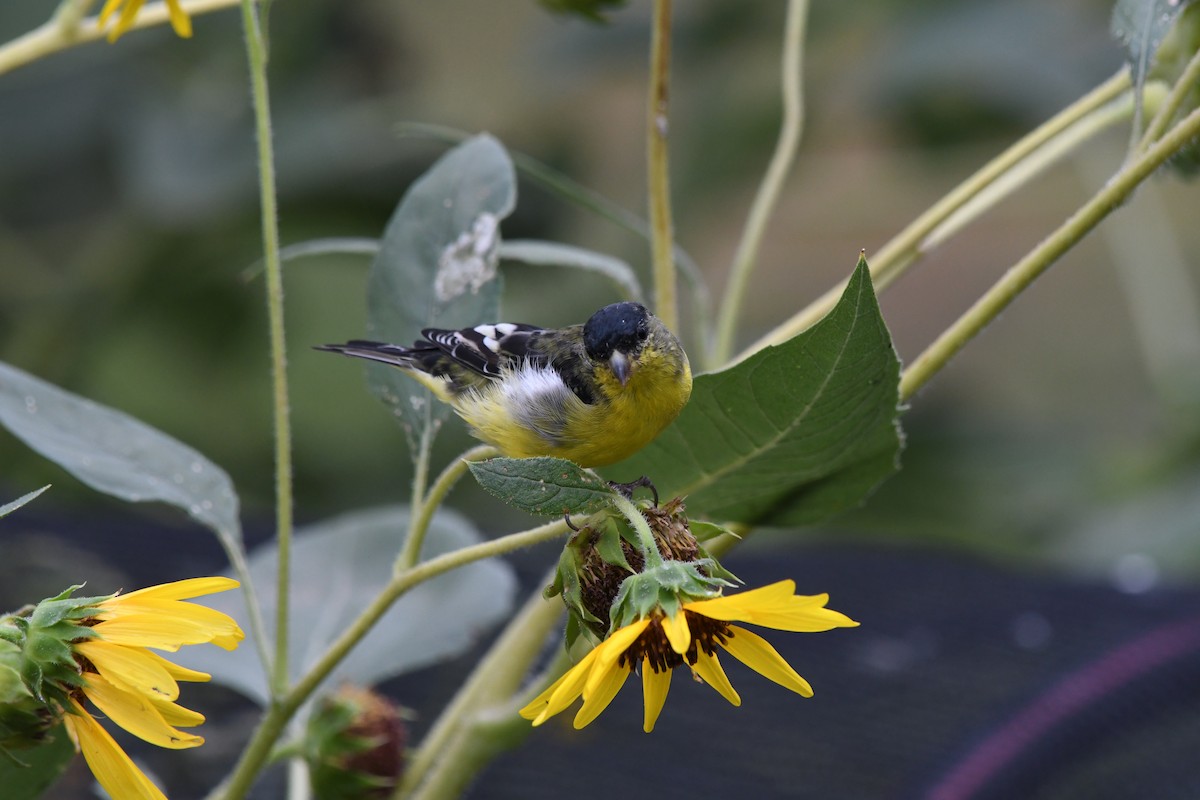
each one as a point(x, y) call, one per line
point(594, 393)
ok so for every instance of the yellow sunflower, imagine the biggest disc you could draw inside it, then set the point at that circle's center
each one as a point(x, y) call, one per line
point(180, 21)
point(135, 687)
point(659, 643)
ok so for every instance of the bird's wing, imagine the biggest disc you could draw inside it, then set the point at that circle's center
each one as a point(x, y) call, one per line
point(488, 349)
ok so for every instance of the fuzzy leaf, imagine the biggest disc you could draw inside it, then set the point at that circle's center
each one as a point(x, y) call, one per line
point(116, 454)
point(8, 508)
point(338, 567)
point(546, 486)
point(792, 434)
point(436, 266)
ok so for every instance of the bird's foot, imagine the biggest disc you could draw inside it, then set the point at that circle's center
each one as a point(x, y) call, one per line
point(626, 489)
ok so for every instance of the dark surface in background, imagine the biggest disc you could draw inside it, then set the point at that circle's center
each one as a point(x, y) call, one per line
point(950, 651)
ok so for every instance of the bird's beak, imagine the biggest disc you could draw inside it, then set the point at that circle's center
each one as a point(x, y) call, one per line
point(621, 366)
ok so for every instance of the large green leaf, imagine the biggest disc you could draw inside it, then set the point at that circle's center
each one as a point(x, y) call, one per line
point(116, 454)
point(792, 434)
point(436, 266)
point(27, 774)
point(338, 567)
point(1140, 26)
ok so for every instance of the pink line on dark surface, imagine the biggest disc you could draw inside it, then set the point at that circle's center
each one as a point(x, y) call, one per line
point(1067, 697)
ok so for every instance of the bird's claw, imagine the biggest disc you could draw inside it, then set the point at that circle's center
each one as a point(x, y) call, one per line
point(626, 489)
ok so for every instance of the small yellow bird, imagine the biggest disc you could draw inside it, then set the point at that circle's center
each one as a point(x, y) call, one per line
point(593, 394)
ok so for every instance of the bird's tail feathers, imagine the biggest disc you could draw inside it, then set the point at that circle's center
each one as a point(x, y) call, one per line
point(394, 354)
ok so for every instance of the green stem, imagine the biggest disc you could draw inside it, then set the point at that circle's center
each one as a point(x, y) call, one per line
point(904, 249)
point(416, 536)
point(437, 493)
point(1166, 112)
point(496, 677)
point(257, 751)
point(646, 543)
point(283, 431)
point(57, 34)
point(1023, 273)
point(69, 15)
point(768, 192)
point(663, 235)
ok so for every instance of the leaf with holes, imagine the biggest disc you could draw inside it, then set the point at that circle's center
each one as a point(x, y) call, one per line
point(546, 486)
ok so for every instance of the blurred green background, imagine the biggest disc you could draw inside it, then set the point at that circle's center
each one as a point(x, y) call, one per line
point(1066, 434)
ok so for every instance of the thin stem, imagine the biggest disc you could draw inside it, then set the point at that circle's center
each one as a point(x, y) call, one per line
point(283, 431)
point(1166, 112)
point(495, 677)
point(647, 545)
point(236, 554)
point(904, 249)
point(437, 493)
point(70, 14)
point(412, 543)
point(1021, 274)
point(768, 192)
point(53, 36)
point(257, 751)
point(661, 226)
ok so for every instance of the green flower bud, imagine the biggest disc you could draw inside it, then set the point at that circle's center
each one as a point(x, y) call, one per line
point(355, 746)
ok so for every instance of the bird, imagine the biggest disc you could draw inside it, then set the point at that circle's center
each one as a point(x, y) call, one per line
point(594, 393)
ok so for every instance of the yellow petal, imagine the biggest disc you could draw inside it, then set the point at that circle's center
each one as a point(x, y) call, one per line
point(611, 649)
point(678, 634)
point(178, 590)
point(563, 692)
point(107, 11)
point(597, 700)
point(758, 654)
point(774, 607)
point(709, 668)
point(176, 715)
point(177, 672)
point(655, 686)
point(166, 630)
point(125, 21)
point(114, 770)
point(179, 19)
point(130, 667)
point(136, 714)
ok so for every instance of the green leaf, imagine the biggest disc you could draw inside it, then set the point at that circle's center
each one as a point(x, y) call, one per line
point(591, 10)
point(1140, 26)
point(8, 508)
point(27, 774)
point(546, 486)
point(794, 433)
point(530, 251)
point(338, 568)
point(116, 454)
point(436, 267)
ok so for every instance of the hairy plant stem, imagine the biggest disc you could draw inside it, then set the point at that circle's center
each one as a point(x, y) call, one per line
point(904, 249)
point(646, 543)
point(59, 33)
point(424, 507)
point(258, 750)
point(1023, 273)
point(768, 191)
point(662, 243)
point(257, 56)
point(411, 550)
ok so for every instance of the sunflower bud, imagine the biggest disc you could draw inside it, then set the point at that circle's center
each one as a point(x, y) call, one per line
point(603, 554)
point(355, 746)
point(25, 721)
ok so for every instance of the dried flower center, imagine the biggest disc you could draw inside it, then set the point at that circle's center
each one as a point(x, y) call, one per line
point(654, 647)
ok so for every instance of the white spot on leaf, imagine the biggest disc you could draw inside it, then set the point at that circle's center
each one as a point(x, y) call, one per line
point(470, 261)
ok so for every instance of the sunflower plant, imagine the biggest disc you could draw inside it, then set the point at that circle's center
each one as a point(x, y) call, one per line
point(800, 426)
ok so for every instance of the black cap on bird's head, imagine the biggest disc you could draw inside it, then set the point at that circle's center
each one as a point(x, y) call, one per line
point(616, 334)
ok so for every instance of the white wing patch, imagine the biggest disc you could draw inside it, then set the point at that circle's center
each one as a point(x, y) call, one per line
point(538, 399)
